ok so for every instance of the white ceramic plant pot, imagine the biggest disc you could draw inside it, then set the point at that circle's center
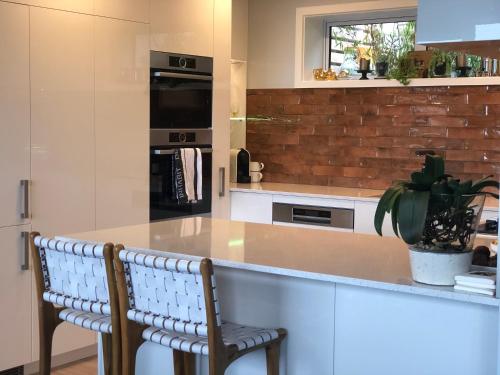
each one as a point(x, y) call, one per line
point(438, 268)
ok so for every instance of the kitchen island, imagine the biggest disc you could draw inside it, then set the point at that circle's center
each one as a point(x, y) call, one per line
point(347, 300)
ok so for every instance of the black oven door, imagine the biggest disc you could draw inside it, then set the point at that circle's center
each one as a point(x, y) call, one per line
point(180, 101)
point(163, 202)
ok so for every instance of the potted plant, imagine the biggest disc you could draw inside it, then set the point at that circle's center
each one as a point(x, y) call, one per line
point(382, 64)
point(437, 216)
point(440, 64)
point(379, 51)
point(404, 70)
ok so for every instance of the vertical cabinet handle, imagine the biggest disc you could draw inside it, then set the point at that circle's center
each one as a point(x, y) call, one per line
point(222, 181)
point(25, 266)
point(25, 185)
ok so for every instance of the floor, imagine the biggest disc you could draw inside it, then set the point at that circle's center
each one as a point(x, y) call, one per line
point(85, 367)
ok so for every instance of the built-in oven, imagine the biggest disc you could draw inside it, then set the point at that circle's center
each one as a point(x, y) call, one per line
point(180, 91)
point(163, 199)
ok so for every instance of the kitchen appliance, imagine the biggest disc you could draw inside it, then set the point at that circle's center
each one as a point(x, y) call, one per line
point(162, 197)
point(181, 89)
point(489, 227)
point(460, 26)
point(240, 166)
point(332, 217)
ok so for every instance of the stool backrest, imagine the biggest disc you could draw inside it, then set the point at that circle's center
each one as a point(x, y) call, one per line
point(169, 293)
point(73, 274)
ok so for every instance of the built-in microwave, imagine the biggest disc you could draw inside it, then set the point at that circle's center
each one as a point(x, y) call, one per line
point(180, 91)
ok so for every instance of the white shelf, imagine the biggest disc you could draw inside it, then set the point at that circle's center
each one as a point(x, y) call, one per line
point(416, 82)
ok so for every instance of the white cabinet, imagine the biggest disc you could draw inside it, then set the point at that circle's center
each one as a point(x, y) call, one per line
point(121, 122)
point(81, 6)
point(252, 207)
point(364, 215)
point(183, 26)
point(62, 125)
point(15, 111)
point(134, 10)
point(221, 107)
point(15, 294)
point(62, 122)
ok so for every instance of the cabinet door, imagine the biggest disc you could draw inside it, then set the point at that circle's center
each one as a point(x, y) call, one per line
point(364, 215)
point(122, 122)
point(15, 294)
point(14, 109)
point(252, 207)
point(183, 26)
point(134, 10)
point(62, 123)
point(63, 145)
point(81, 6)
point(221, 109)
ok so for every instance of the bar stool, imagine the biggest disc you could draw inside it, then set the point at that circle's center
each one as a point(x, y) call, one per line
point(75, 283)
point(173, 302)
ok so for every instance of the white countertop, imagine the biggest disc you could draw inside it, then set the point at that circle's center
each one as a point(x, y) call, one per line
point(318, 191)
point(348, 258)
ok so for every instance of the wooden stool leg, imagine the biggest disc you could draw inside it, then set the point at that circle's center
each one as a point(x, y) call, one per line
point(106, 352)
point(273, 359)
point(130, 345)
point(189, 364)
point(48, 322)
point(116, 354)
point(178, 362)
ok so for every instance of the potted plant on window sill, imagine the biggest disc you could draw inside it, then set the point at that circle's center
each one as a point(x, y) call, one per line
point(437, 216)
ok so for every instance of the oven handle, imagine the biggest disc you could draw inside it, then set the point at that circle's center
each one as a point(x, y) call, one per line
point(171, 152)
point(183, 75)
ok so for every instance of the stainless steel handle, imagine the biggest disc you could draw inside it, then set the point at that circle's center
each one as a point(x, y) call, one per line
point(25, 266)
point(25, 185)
point(311, 219)
point(183, 75)
point(171, 152)
point(222, 181)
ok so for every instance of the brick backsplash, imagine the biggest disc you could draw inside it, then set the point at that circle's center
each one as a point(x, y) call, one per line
point(367, 137)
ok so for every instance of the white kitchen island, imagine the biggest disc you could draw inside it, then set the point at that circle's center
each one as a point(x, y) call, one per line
point(347, 300)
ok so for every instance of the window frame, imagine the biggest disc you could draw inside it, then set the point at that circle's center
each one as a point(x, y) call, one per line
point(362, 21)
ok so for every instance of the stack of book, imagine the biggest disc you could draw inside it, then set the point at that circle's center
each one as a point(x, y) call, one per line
point(482, 282)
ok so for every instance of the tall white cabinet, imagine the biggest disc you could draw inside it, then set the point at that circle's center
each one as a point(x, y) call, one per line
point(15, 278)
point(121, 122)
point(15, 111)
point(62, 137)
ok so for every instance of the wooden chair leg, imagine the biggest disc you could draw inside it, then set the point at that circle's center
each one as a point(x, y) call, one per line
point(116, 354)
point(131, 341)
point(189, 364)
point(178, 362)
point(107, 350)
point(48, 320)
point(273, 359)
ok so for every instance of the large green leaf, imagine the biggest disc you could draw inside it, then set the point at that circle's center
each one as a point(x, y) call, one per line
point(385, 205)
point(434, 166)
point(394, 215)
point(412, 212)
point(480, 185)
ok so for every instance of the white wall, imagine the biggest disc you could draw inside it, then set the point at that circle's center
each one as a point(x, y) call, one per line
point(271, 41)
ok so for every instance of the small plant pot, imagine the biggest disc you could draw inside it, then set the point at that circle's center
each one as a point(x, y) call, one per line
point(440, 70)
point(381, 68)
point(438, 268)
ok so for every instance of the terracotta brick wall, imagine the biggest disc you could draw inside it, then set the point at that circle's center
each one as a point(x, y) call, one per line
point(368, 137)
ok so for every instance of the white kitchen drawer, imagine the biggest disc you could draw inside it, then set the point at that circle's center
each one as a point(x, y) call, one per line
point(313, 201)
point(252, 207)
point(364, 215)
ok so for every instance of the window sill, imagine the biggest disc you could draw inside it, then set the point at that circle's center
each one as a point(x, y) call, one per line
point(416, 82)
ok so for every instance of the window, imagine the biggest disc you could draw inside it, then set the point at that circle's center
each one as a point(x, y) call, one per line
point(378, 41)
